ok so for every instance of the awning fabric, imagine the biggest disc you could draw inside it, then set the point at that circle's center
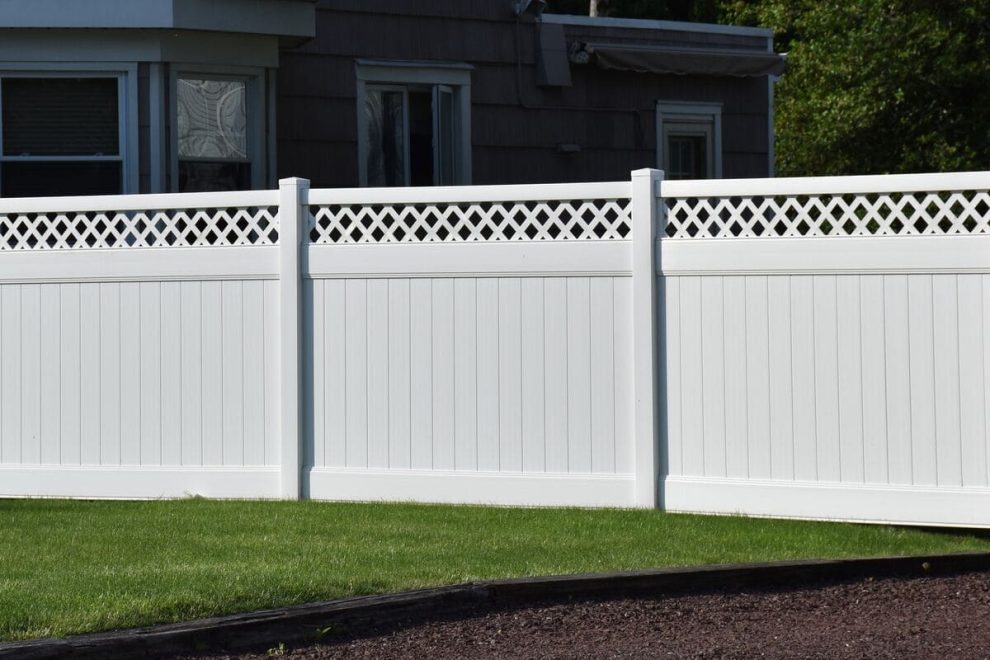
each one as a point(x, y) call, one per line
point(622, 57)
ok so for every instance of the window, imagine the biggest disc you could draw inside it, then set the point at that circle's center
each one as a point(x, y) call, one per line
point(217, 132)
point(62, 134)
point(413, 124)
point(689, 140)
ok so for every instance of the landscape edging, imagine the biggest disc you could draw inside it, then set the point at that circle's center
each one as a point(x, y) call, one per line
point(302, 624)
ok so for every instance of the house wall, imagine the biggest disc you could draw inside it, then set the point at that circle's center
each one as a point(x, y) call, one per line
point(516, 125)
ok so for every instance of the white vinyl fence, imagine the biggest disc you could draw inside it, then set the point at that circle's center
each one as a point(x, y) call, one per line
point(827, 348)
point(790, 347)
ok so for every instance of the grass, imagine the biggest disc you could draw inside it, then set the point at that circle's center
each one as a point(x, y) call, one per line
point(70, 567)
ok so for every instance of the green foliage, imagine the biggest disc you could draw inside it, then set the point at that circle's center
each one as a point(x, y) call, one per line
point(877, 86)
point(72, 567)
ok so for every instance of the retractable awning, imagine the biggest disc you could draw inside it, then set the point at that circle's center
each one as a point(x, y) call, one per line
point(682, 61)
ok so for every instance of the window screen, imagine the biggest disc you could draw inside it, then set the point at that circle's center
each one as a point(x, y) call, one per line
point(61, 136)
point(60, 117)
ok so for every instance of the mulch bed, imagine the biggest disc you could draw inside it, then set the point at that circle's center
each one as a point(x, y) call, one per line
point(928, 617)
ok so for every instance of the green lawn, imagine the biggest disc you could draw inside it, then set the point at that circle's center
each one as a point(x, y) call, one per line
point(71, 567)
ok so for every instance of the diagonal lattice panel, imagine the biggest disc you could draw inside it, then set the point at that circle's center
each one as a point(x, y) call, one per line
point(136, 229)
point(873, 214)
point(602, 219)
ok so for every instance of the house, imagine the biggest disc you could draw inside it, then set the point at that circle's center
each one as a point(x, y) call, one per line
point(126, 96)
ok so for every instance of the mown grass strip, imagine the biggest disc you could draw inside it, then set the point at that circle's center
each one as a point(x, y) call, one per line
point(69, 567)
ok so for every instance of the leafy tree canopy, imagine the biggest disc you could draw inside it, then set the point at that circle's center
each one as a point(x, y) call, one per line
point(872, 86)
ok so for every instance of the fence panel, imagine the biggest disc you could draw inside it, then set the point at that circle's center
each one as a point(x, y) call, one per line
point(136, 336)
point(829, 353)
point(466, 344)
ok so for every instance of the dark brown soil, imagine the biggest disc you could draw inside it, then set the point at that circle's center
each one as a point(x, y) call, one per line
point(934, 617)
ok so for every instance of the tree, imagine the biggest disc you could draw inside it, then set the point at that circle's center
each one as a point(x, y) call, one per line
point(877, 86)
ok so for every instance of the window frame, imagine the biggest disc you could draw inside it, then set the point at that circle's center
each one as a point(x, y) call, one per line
point(706, 116)
point(127, 112)
point(254, 90)
point(400, 76)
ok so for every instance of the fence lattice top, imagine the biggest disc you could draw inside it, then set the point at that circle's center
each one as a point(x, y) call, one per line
point(602, 219)
point(135, 229)
point(866, 214)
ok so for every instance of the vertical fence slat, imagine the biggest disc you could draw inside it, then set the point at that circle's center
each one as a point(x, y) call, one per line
point(130, 375)
point(874, 380)
point(509, 375)
point(11, 450)
point(400, 438)
point(212, 366)
point(444, 450)
point(898, 379)
point(713, 375)
point(555, 357)
point(69, 373)
point(253, 388)
point(692, 384)
point(602, 345)
point(378, 356)
point(110, 353)
point(488, 385)
point(922, 377)
point(191, 378)
point(533, 376)
point(578, 375)
point(465, 374)
point(736, 390)
point(781, 368)
point(232, 337)
point(171, 373)
point(672, 461)
point(90, 367)
point(758, 377)
point(972, 386)
point(356, 373)
point(271, 386)
point(803, 392)
point(421, 373)
point(624, 366)
point(31, 381)
point(150, 364)
point(314, 375)
point(826, 358)
point(945, 315)
point(850, 371)
point(333, 320)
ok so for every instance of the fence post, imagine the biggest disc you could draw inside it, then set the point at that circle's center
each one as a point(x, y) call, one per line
point(645, 218)
point(292, 221)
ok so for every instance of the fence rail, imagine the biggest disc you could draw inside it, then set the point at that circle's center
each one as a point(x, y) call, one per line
point(790, 347)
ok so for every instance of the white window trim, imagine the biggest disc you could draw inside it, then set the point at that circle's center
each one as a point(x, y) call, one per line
point(255, 86)
point(383, 73)
point(127, 95)
point(700, 113)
